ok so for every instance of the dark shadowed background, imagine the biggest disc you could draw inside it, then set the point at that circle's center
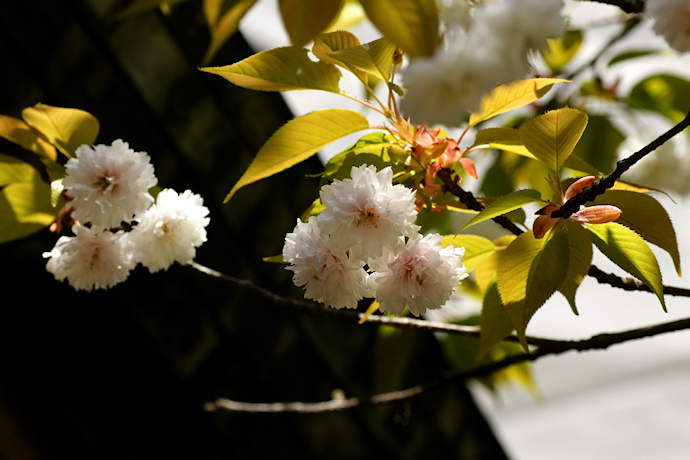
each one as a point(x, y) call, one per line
point(124, 373)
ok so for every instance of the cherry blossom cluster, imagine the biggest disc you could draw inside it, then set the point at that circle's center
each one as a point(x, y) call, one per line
point(671, 20)
point(117, 222)
point(365, 243)
point(486, 44)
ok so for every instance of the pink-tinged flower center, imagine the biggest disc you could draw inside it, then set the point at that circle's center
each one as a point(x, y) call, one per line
point(368, 217)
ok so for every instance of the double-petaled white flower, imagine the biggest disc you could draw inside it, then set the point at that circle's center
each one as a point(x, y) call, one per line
point(170, 230)
point(109, 184)
point(91, 260)
point(367, 213)
point(328, 276)
point(420, 275)
point(671, 20)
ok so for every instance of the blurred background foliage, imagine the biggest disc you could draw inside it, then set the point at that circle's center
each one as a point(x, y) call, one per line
point(124, 373)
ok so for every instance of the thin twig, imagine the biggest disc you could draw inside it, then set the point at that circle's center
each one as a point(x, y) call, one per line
point(596, 342)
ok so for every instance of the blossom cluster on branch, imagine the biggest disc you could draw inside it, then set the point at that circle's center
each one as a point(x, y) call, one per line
point(365, 244)
point(118, 224)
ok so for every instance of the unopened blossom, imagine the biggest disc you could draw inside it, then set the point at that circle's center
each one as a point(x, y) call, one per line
point(91, 260)
point(671, 20)
point(109, 184)
point(170, 230)
point(421, 275)
point(367, 213)
point(598, 214)
point(328, 276)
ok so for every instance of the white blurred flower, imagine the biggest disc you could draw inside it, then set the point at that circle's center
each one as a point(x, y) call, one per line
point(671, 20)
point(367, 213)
point(109, 184)
point(422, 275)
point(170, 230)
point(91, 260)
point(327, 276)
point(487, 44)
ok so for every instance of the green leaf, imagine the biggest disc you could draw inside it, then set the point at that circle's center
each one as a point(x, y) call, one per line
point(647, 217)
point(598, 145)
point(299, 139)
point(667, 95)
point(65, 128)
point(504, 205)
point(496, 324)
point(277, 259)
point(552, 137)
point(579, 261)
point(477, 248)
point(141, 6)
point(511, 96)
point(280, 69)
point(325, 44)
point(630, 252)
point(25, 209)
point(562, 50)
point(223, 24)
point(633, 54)
point(411, 25)
point(485, 272)
point(14, 170)
point(305, 19)
point(529, 272)
point(375, 58)
point(15, 130)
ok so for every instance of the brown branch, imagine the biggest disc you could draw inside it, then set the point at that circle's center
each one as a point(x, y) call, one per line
point(601, 185)
point(596, 342)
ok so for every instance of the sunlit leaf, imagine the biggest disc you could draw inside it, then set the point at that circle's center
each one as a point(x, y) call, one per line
point(529, 272)
point(411, 25)
point(477, 248)
point(350, 15)
point(375, 58)
point(647, 217)
point(223, 24)
point(305, 19)
point(25, 209)
point(504, 205)
point(668, 95)
point(561, 50)
point(579, 260)
point(370, 311)
point(485, 272)
point(65, 128)
point(598, 145)
point(496, 323)
point(277, 259)
point(15, 130)
point(633, 54)
point(552, 137)
point(299, 139)
point(630, 252)
point(13, 170)
point(280, 69)
point(511, 96)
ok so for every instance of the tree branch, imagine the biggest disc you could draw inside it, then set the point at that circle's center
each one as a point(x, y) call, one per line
point(600, 186)
point(596, 342)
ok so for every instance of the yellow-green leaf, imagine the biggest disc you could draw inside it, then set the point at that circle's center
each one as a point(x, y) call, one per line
point(529, 272)
point(223, 24)
point(647, 217)
point(305, 19)
point(15, 130)
point(280, 69)
point(477, 248)
point(370, 311)
point(325, 44)
point(65, 128)
point(561, 50)
point(511, 96)
point(485, 272)
point(299, 139)
point(504, 205)
point(551, 137)
point(14, 170)
point(579, 261)
point(25, 209)
point(630, 252)
point(496, 323)
point(375, 58)
point(411, 25)
point(140, 6)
